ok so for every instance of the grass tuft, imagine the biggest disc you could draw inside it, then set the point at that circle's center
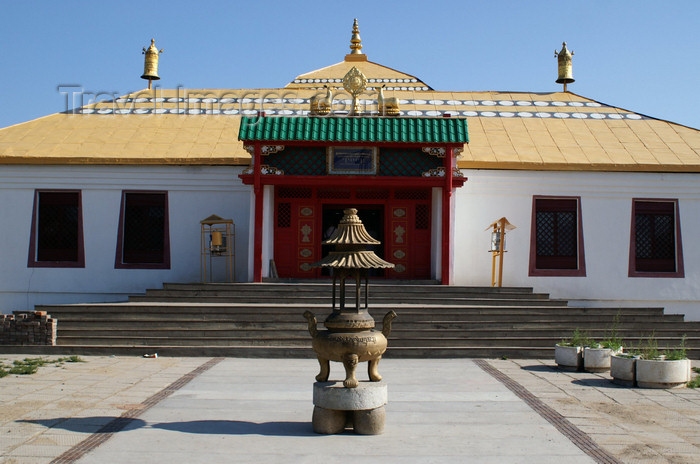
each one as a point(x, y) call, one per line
point(29, 366)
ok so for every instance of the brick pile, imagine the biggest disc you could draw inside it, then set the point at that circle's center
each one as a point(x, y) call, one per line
point(27, 328)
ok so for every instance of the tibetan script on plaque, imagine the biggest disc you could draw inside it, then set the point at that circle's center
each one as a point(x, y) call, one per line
point(352, 160)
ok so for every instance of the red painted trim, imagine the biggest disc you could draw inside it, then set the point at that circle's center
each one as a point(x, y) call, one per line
point(680, 271)
point(352, 181)
point(366, 143)
point(446, 266)
point(118, 263)
point(32, 261)
point(258, 234)
point(581, 270)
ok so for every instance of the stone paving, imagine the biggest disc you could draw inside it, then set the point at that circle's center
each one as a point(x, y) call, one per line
point(253, 410)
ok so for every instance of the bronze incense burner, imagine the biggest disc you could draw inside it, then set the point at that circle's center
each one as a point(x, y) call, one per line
point(350, 337)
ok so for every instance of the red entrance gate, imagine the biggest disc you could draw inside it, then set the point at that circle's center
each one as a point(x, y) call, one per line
point(400, 220)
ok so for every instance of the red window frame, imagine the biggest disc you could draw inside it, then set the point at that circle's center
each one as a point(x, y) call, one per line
point(655, 267)
point(564, 266)
point(39, 257)
point(148, 261)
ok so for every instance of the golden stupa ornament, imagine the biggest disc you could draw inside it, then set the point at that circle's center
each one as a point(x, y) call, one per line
point(150, 66)
point(566, 75)
point(355, 45)
point(355, 83)
point(355, 40)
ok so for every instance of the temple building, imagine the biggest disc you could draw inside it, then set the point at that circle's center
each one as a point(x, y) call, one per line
point(107, 199)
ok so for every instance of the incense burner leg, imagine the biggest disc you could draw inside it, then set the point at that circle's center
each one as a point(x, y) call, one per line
point(373, 369)
point(350, 361)
point(325, 369)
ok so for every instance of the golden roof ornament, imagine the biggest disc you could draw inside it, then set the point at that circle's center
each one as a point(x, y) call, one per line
point(566, 75)
point(355, 83)
point(321, 104)
point(150, 66)
point(355, 40)
point(355, 45)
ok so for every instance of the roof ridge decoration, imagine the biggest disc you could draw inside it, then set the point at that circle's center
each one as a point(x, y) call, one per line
point(355, 45)
point(355, 83)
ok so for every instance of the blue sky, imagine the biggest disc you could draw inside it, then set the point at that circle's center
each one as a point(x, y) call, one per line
point(639, 55)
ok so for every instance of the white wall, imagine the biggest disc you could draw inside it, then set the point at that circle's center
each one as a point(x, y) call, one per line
point(197, 192)
point(606, 204)
point(194, 193)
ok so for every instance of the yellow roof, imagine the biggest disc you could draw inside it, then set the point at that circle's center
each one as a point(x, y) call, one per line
point(376, 74)
point(518, 130)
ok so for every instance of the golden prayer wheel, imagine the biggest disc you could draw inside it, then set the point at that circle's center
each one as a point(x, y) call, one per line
point(566, 75)
point(150, 66)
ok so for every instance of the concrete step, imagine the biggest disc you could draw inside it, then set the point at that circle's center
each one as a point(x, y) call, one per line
point(399, 332)
point(374, 291)
point(287, 309)
point(326, 300)
point(437, 321)
point(519, 352)
point(325, 287)
point(434, 320)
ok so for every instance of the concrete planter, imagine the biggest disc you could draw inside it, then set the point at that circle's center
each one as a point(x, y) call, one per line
point(596, 359)
point(662, 373)
point(623, 370)
point(569, 358)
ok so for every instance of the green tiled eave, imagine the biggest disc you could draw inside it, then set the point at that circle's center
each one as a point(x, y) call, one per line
point(354, 129)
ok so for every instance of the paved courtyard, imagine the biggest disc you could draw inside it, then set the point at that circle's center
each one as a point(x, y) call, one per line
point(125, 410)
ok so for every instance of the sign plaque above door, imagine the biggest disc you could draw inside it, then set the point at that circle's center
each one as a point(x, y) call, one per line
point(352, 160)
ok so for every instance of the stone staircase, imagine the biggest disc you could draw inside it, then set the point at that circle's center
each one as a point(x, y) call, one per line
point(265, 320)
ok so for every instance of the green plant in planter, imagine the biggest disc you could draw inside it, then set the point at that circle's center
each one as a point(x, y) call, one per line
point(650, 350)
point(613, 342)
point(578, 338)
point(695, 383)
point(678, 353)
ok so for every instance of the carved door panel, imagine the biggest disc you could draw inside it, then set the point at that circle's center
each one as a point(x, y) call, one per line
point(399, 238)
point(306, 241)
point(408, 239)
point(285, 243)
point(421, 241)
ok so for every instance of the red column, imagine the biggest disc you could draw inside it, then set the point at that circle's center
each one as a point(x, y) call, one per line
point(447, 220)
point(258, 237)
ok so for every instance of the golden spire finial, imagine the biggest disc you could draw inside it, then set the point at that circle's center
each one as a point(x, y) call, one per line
point(355, 45)
point(565, 68)
point(150, 66)
point(355, 40)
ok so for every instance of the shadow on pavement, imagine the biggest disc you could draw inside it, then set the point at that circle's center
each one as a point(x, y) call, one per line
point(103, 424)
point(232, 427)
point(598, 383)
point(540, 368)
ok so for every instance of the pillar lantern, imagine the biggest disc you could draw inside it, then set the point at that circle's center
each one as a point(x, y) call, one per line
point(350, 337)
point(498, 248)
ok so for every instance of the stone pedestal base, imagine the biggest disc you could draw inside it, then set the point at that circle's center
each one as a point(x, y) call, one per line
point(337, 408)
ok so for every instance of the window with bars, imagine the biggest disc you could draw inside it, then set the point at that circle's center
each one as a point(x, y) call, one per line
point(422, 217)
point(143, 240)
point(655, 243)
point(56, 238)
point(556, 247)
point(284, 215)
